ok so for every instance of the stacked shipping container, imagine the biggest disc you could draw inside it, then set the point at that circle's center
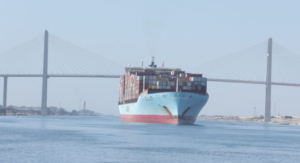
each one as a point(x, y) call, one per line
point(133, 83)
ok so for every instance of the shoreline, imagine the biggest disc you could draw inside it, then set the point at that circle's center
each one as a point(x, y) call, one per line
point(294, 120)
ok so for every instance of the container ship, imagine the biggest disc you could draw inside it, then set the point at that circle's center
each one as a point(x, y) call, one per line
point(161, 95)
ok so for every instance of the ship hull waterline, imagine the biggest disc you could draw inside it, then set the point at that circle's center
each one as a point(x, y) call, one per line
point(165, 108)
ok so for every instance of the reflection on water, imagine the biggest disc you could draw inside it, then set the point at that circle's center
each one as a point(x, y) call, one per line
point(107, 139)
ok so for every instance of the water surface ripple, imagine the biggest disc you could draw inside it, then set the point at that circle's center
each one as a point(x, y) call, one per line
point(57, 139)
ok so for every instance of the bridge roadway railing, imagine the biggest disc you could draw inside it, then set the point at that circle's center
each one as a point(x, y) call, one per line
point(252, 82)
point(61, 75)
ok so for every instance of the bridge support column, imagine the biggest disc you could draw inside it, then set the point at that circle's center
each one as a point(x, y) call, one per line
point(5, 92)
point(45, 76)
point(268, 83)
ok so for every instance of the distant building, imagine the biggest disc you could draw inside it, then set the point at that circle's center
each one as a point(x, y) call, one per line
point(286, 117)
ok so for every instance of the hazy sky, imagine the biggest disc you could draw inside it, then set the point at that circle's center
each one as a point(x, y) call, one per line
point(180, 33)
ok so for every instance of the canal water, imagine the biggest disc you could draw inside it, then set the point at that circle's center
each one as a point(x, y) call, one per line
point(75, 139)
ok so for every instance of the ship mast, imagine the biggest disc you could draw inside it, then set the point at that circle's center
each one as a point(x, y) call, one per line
point(152, 63)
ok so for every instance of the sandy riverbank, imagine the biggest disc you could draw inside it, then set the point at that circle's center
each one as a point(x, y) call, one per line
point(294, 120)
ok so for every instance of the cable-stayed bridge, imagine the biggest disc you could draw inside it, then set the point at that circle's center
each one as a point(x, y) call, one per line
point(250, 66)
point(267, 63)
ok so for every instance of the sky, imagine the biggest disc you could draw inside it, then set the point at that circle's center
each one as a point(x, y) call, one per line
point(178, 33)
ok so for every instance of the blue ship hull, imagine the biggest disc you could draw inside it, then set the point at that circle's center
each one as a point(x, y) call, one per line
point(166, 107)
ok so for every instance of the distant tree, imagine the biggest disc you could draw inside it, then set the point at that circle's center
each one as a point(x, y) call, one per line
point(62, 111)
point(2, 111)
point(9, 108)
point(74, 112)
point(49, 112)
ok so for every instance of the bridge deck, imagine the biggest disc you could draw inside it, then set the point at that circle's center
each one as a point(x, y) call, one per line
point(118, 76)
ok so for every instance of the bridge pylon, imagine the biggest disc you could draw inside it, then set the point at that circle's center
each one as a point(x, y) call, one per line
point(267, 117)
point(4, 92)
point(45, 76)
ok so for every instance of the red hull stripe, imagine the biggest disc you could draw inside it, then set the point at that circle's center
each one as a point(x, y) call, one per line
point(165, 119)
